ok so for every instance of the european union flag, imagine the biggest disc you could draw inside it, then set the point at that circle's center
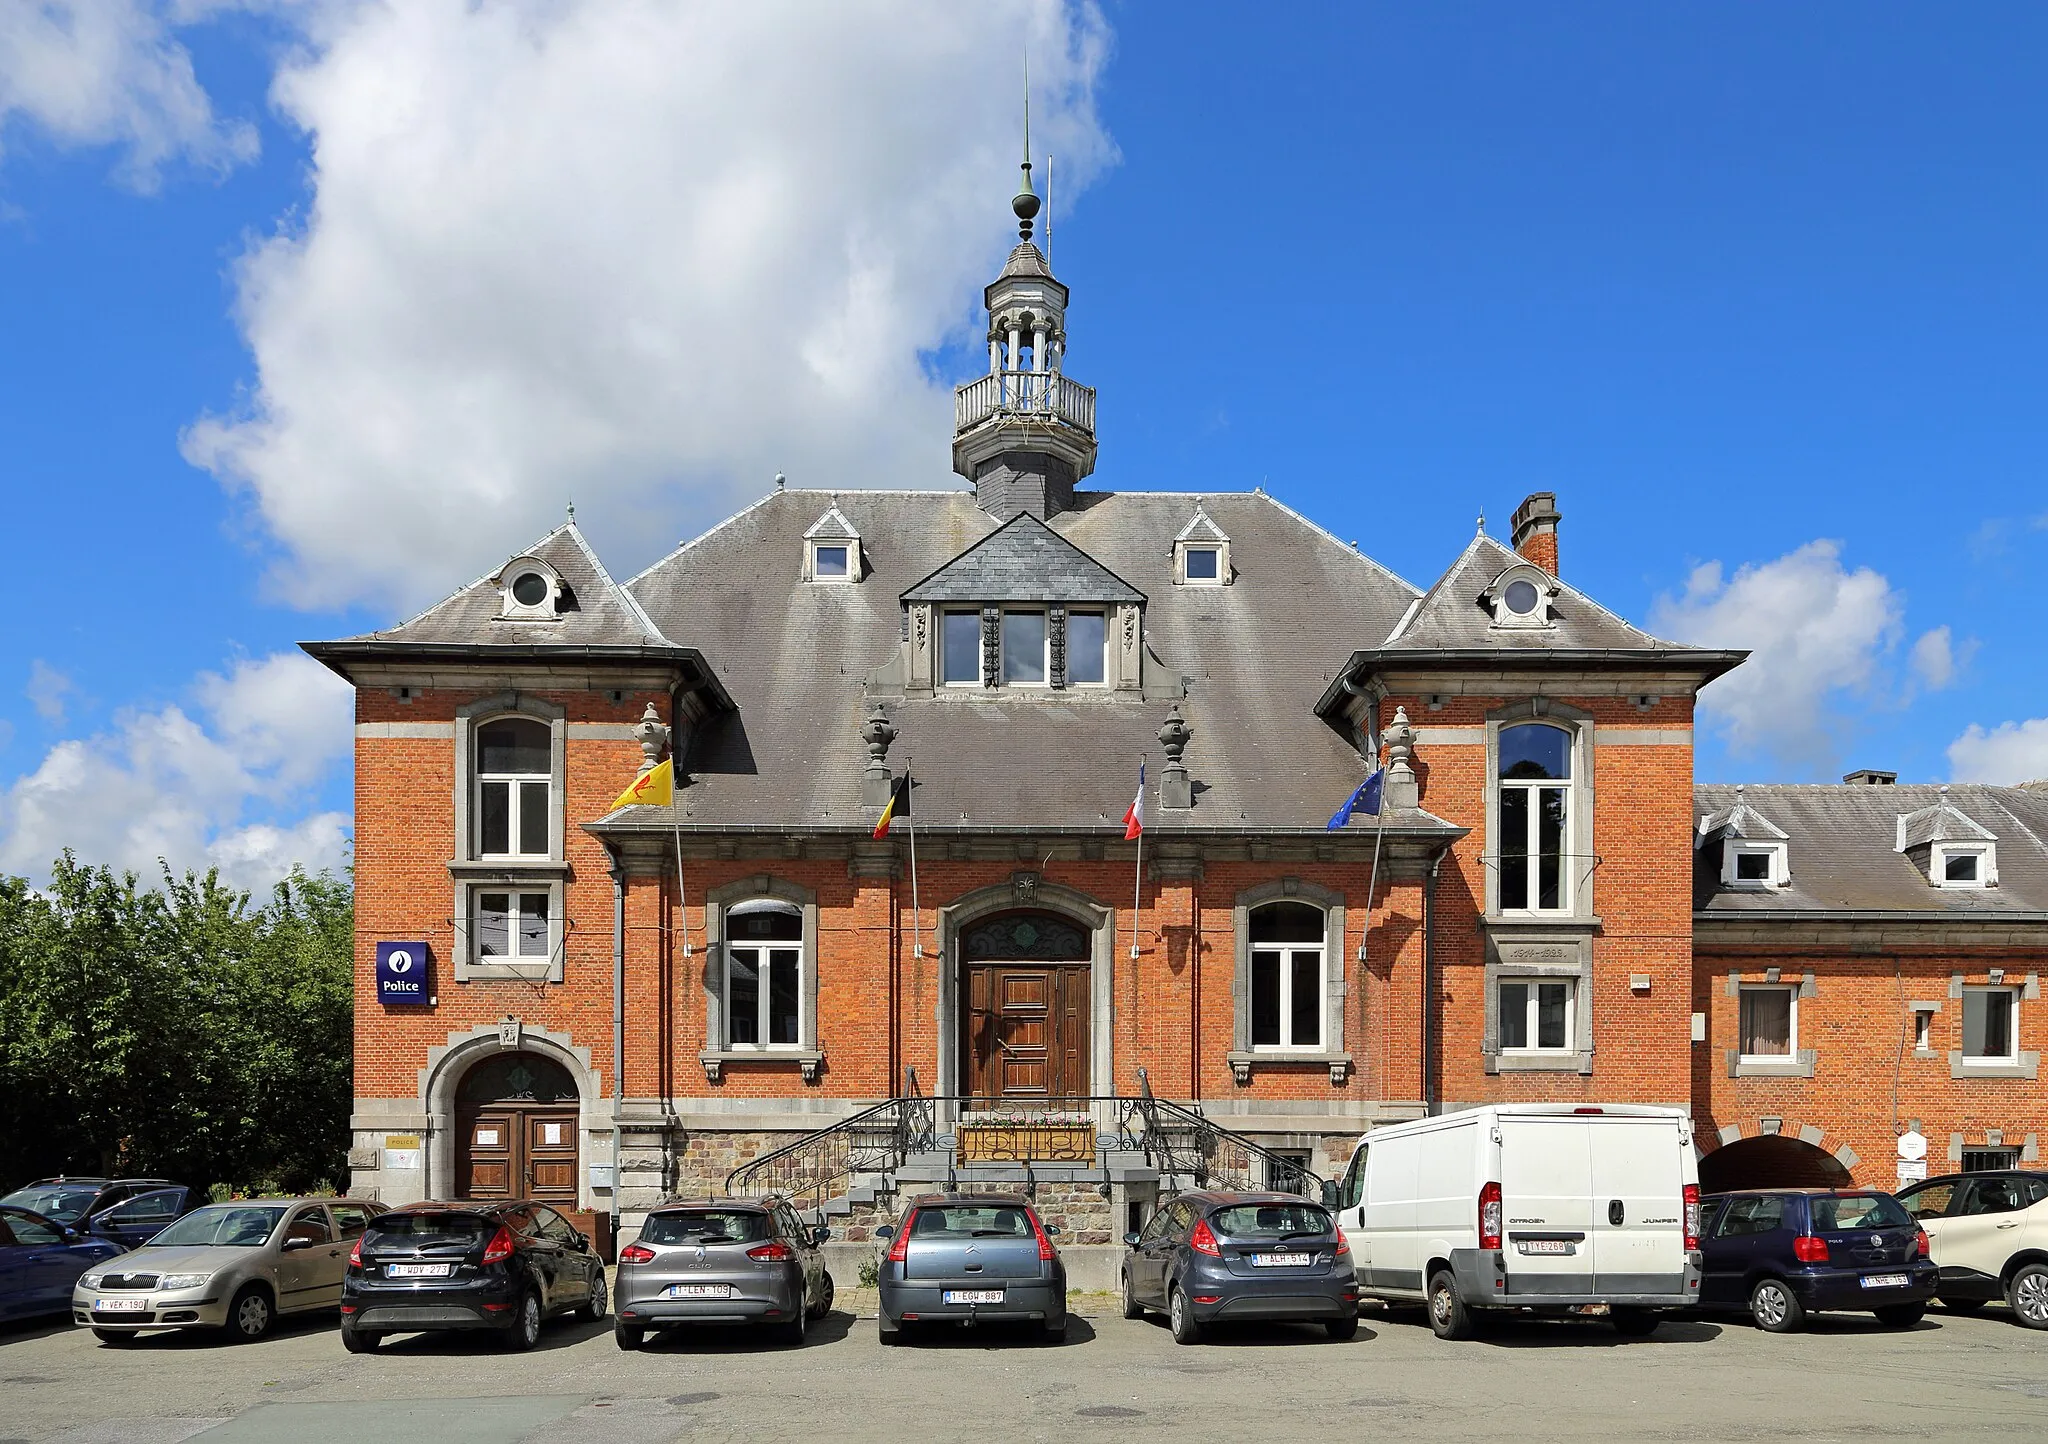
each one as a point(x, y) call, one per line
point(1365, 799)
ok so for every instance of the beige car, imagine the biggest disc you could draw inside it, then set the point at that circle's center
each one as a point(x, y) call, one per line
point(235, 1266)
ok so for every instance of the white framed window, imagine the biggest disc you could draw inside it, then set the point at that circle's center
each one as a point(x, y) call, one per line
point(763, 975)
point(960, 649)
point(1521, 597)
point(511, 925)
point(1963, 865)
point(1753, 864)
point(1991, 1032)
point(1768, 1024)
point(1923, 1030)
point(1026, 649)
point(1533, 822)
point(1289, 976)
point(831, 562)
point(514, 788)
point(1536, 1015)
point(1087, 649)
point(1201, 566)
point(529, 590)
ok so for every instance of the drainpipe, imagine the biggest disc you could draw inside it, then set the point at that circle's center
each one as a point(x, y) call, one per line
point(1429, 988)
point(618, 872)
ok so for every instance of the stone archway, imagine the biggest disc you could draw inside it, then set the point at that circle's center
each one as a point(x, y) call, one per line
point(1771, 1160)
point(441, 1091)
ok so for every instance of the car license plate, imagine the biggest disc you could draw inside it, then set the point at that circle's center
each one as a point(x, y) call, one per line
point(974, 1296)
point(1282, 1260)
point(698, 1291)
point(418, 1271)
point(1885, 1281)
point(120, 1306)
point(1543, 1245)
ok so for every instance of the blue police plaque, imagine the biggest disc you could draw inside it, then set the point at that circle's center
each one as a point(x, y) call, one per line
point(402, 973)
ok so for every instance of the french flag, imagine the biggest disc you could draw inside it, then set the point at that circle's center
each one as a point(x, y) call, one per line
point(1134, 816)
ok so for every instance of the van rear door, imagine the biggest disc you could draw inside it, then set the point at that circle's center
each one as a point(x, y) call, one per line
point(1546, 1184)
point(1639, 1205)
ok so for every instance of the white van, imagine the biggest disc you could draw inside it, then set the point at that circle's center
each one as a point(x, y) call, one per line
point(1541, 1206)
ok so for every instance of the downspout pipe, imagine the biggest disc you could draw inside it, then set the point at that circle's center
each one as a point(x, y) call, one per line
point(1430, 1102)
point(618, 874)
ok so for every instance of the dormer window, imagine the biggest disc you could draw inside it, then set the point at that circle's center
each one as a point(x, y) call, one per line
point(1201, 553)
point(1201, 564)
point(1964, 865)
point(1746, 864)
point(530, 591)
point(1949, 847)
point(1521, 596)
point(832, 549)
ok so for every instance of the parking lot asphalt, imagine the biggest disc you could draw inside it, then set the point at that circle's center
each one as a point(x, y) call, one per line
point(1952, 1378)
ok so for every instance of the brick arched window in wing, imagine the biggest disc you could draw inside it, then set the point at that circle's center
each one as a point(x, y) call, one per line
point(1534, 823)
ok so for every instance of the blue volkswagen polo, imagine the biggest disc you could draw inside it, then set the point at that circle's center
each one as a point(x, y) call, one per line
point(1780, 1254)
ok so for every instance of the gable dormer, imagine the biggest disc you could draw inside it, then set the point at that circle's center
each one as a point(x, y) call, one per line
point(832, 549)
point(1522, 597)
point(1753, 852)
point(1948, 847)
point(1201, 553)
point(531, 590)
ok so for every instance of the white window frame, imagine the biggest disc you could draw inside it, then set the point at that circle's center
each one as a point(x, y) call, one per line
point(511, 609)
point(1987, 865)
point(515, 783)
point(1791, 1053)
point(1539, 617)
point(1073, 612)
point(1992, 1059)
point(1044, 615)
point(1567, 832)
point(514, 894)
point(849, 562)
point(1778, 874)
point(1221, 552)
point(1532, 1011)
point(945, 615)
point(1923, 1030)
point(760, 949)
point(1285, 954)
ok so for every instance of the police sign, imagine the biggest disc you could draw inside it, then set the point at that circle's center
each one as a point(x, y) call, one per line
point(402, 973)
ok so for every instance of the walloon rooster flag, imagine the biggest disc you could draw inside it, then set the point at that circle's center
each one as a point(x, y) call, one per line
point(1134, 815)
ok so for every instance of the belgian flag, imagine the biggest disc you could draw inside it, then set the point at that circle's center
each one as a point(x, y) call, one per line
point(898, 805)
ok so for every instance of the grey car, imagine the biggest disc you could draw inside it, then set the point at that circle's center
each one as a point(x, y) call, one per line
point(235, 1266)
point(970, 1259)
point(722, 1261)
point(1207, 1257)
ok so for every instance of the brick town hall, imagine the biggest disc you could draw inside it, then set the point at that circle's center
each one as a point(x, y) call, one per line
point(1546, 906)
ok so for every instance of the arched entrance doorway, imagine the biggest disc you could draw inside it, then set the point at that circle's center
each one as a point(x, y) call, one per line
point(1024, 1031)
point(516, 1126)
point(1770, 1160)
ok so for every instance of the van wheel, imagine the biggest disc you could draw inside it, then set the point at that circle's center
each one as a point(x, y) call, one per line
point(1132, 1308)
point(1633, 1323)
point(1775, 1308)
point(2028, 1295)
point(1448, 1316)
point(1180, 1316)
point(1900, 1316)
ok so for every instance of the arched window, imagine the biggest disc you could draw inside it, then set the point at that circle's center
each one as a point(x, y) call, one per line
point(514, 780)
point(1288, 962)
point(1535, 816)
point(764, 974)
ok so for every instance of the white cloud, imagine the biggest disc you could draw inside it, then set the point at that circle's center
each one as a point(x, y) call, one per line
point(2010, 752)
point(1816, 631)
point(638, 254)
point(112, 73)
point(162, 784)
point(47, 688)
point(1935, 660)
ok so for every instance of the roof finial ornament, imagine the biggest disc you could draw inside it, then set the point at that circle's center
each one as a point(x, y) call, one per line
point(1025, 202)
point(780, 481)
point(1482, 521)
point(572, 513)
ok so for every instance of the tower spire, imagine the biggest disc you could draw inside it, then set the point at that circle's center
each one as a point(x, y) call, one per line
point(1025, 202)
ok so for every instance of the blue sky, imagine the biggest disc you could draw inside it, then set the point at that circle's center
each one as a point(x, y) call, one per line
point(312, 337)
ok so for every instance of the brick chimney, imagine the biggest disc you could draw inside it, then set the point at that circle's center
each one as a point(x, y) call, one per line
point(1535, 530)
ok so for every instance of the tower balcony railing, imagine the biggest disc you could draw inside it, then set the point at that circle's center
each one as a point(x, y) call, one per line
point(1045, 395)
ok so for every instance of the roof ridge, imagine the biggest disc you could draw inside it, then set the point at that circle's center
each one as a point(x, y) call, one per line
point(631, 603)
point(1334, 540)
point(681, 547)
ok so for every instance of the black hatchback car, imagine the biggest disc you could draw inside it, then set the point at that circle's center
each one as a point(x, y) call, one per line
point(1208, 1257)
point(499, 1264)
point(1780, 1254)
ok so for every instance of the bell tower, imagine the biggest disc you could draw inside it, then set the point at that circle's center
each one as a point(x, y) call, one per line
point(1024, 434)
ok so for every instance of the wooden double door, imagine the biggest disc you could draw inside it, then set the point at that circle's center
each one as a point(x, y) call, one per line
point(1027, 1027)
point(517, 1150)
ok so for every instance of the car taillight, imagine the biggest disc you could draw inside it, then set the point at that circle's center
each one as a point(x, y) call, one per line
point(1202, 1240)
point(1489, 1216)
point(899, 1246)
point(636, 1253)
point(1045, 1248)
point(1810, 1250)
point(355, 1255)
point(1920, 1239)
point(1343, 1244)
point(772, 1252)
point(1692, 1216)
point(500, 1247)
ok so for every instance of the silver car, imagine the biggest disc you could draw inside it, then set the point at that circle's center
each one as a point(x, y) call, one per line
point(236, 1266)
point(722, 1261)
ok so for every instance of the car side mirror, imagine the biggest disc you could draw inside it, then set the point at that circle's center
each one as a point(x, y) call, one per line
point(887, 1230)
point(820, 1234)
point(1130, 1240)
point(1329, 1193)
point(295, 1245)
point(1052, 1230)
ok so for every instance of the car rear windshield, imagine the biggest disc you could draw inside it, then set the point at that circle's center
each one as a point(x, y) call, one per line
point(236, 1225)
point(1270, 1220)
point(53, 1201)
point(1858, 1210)
point(972, 1221)
point(705, 1225)
point(430, 1230)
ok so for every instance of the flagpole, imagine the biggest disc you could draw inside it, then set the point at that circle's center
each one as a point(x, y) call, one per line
point(682, 896)
point(910, 818)
point(1138, 873)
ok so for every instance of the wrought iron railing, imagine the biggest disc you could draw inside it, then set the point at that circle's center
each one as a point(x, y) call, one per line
point(1176, 1139)
point(1048, 395)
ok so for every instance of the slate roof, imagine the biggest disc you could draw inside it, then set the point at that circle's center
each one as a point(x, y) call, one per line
point(1842, 851)
point(832, 526)
point(796, 658)
point(1023, 560)
point(1742, 821)
point(1201, 527)
point(1027, 260)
